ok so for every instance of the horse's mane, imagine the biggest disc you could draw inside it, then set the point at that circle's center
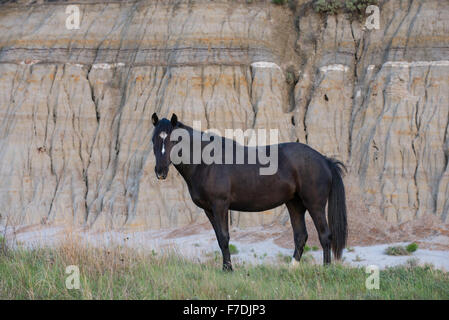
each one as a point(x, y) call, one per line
point(191, 131)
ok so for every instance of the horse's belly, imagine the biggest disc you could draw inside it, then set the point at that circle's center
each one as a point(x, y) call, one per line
point(256, 206)
point(261, 198)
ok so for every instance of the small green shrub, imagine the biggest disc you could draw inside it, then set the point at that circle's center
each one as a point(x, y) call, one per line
point(233, 249)
point(315, 248)
point(412, 247)
point(306, 248)
point(353, 7)
point(327, 6)
point(402, 250)
point(279, 2)
point(396, 251)
point(358, 5)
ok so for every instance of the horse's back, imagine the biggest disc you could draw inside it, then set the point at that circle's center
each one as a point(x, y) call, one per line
point(298, 166)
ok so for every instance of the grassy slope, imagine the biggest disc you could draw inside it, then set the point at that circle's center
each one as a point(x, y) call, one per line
point(126, 274)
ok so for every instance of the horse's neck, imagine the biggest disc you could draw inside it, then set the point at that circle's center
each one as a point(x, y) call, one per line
point(187, 170)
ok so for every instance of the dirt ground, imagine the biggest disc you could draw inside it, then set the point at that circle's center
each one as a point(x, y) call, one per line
point(364, 230)
point(371, 230)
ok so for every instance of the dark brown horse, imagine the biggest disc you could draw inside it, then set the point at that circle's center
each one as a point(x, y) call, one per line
point(305, 180)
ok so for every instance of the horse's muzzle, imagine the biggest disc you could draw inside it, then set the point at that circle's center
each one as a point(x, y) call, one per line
point(161, 174)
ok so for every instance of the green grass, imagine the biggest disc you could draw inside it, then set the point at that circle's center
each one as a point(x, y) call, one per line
point(126, 274)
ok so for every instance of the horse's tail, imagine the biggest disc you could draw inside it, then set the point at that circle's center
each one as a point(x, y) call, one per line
point(336, 209)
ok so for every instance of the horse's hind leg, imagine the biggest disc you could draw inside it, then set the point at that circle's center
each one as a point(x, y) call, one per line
point(297, 211)
point(319, 219)
point(219, 220)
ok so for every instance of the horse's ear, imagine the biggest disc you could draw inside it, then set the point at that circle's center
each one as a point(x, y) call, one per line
point(174, 120)
point(154, 118)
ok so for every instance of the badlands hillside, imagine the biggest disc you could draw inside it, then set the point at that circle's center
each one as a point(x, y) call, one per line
point(76, 104)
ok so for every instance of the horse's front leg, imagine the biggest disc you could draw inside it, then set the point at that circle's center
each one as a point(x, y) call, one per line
point(219, 220)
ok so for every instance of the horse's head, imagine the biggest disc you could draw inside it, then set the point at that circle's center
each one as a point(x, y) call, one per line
point(162, 144)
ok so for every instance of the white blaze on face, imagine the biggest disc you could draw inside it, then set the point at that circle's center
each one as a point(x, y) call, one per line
point(163, 135)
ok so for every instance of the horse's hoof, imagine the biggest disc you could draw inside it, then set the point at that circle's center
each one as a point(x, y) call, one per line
point(294, 263)
point(227, 268)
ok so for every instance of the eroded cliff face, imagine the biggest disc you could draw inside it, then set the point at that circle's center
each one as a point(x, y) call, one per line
point(75, 105)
